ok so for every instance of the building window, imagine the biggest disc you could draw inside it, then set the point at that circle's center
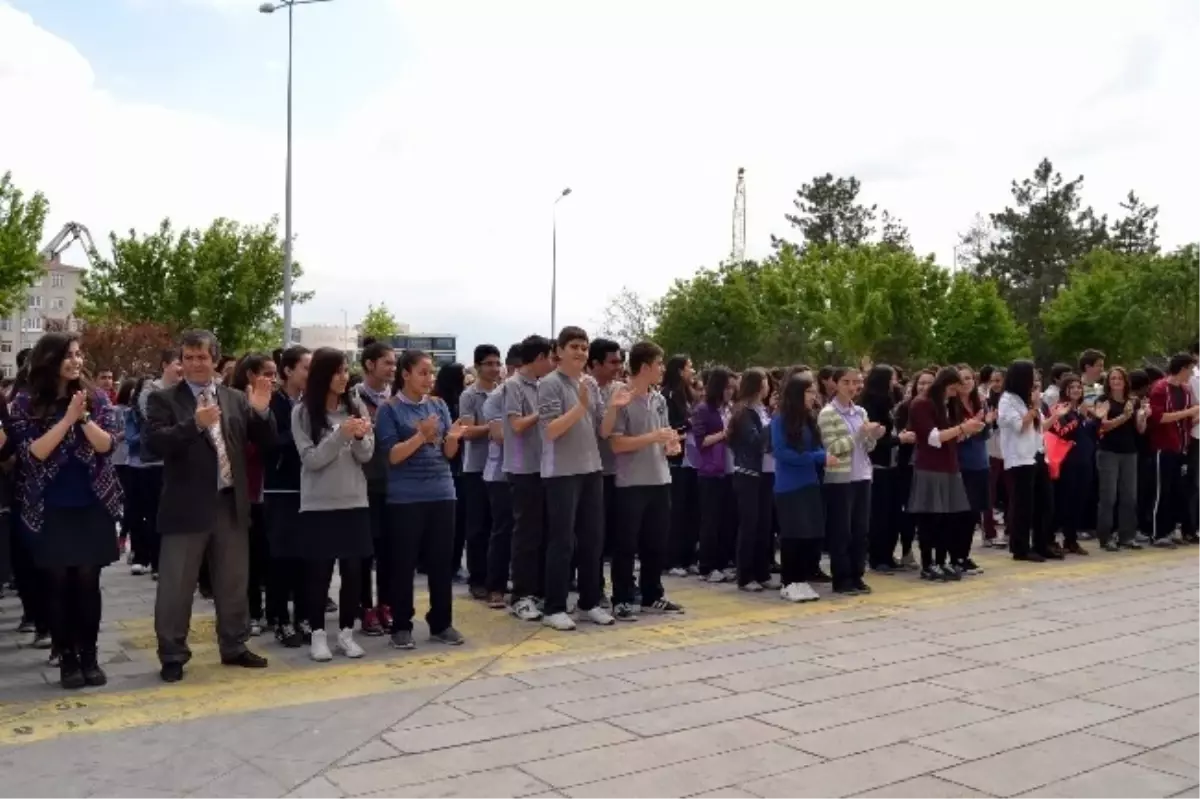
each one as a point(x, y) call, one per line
point(6, 325)
point(39, 282)
point(443, 344)
point(58, 303)
point(8, 369)
point(6, 346)
point(32, 323)
point(56, 280)
point(34, 300)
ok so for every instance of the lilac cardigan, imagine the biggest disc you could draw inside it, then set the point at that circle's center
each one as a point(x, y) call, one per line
point(710, 461)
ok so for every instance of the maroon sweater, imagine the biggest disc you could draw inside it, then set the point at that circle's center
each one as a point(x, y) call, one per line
point(922, 420)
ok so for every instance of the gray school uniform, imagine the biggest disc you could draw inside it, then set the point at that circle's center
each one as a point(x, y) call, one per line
point(647, 466)
point(522, 452)
point(493, 411)
point(576, 451)
point(474, 449)
point(600, 397)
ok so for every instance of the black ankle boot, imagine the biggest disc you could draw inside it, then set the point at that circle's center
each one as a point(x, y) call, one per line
point(69, 674)
point(92, 673)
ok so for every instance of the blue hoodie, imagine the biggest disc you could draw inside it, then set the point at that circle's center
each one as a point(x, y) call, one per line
point(795, 469)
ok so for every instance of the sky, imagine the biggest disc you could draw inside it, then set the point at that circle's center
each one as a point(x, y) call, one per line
point(432, 138)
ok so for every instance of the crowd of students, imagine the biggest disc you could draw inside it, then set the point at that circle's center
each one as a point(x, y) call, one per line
point(257, 477)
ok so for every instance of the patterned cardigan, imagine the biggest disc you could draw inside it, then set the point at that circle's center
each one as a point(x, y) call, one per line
point(34, 475)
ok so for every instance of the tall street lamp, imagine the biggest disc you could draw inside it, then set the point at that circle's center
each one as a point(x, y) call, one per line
point(271, 8)
point(554, 264)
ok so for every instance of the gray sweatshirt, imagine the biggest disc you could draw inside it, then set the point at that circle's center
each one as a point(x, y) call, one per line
point(331, 473)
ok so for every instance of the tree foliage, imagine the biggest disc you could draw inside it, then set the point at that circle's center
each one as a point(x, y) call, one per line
point(1137, 231)
point(628, 318)
point(378, 323)
point(128, 349)
point(713, 316)
point(22, 220)
point(227, 278)
point(828, 212)
point(975, 326)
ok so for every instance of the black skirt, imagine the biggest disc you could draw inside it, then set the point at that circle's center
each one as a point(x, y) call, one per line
point(282, 510)
point(937, 492)
point(84, 536)
point(801, 514)
point(329, 534)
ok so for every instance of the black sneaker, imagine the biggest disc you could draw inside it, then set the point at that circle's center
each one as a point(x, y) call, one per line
point(971, 567)
point(931, 574)
point(448, 636)
point(402, 639)
point(1132, 544)
point(92, 673)
point(1031, 557)
point(1111, 546)
point(70, 676)
point(883, 568)
point(623, 611)
point(479, 592)
point(289, 636)
point(862, 587)
point(819, 577)
point(849, 589)
point(171, 672)
point(663, 605)
point(949, 573)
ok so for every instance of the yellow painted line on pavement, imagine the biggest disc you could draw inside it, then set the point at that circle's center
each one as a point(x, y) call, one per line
point(500, 645)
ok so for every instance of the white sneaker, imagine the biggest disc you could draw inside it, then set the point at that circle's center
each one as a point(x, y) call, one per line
point(347, 645)
point(677, 572)
point(562, 622)
point(599, 615)
point(716, 576)
point(138, 569)
point(798, 592)
point(319, 649)
point(730, 575)
point(526, 610)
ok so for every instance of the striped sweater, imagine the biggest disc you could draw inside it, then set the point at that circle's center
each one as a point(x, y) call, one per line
point(843, 444)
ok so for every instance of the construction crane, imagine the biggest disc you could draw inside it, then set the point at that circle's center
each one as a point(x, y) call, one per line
point(737, 252)
point(70, 233)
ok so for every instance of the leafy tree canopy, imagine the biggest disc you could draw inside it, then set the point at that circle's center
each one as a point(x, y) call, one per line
point(378, 323)
point(21, 223)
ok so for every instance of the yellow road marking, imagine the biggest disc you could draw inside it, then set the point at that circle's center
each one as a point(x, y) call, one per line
point(500, 645)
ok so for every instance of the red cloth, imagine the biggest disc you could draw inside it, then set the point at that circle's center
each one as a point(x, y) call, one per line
point(922, 420)
point(1171, 437)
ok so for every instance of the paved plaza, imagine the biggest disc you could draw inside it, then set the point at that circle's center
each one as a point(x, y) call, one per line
point(1070, 679)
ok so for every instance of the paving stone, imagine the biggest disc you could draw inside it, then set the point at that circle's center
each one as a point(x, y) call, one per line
point(1170, 659)
point(457, 733)
point(991, 635)
point(384, 775)
point(316, 788)
point(852, 775)
point(696, 714)
point(857, 707)
point(983, 678)
point(771, 677)
point(1185, 631)
point(431, 714)
point(872, 640)
point(718, 667)
point(1155, 727)
point(639, 701)
point(640, 662)
point(291, 772)
point(696, 776)
point(483, 686)
point(1117, 780)
point(498, 782)
point(1026, 768)
point(926, 787)
point(882, 656)
point(1150, 692)
point(536, 698)
point(873, 733)
point(543, 678)
point(1002, 733)
point(1181, 758)
point(723, 649)
point(643, 755)
point(374, 750)
point(1078, 657)
point(859, 682)
point(245, 780)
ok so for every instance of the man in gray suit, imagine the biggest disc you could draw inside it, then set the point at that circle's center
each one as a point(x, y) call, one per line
point(200, 429)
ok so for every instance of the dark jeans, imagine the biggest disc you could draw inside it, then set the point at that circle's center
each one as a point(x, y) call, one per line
point(73, 602)
point(847, 522)
point(1071, 492)
point(425, 528)
point(377, 506)
point(716, 537)
point(644, 513)
point(1118, 472)
point(799, 559)
point(755, 547)
point(477, 513)
point(528, 536)
point(316, 588)
point(499, 555)
point(574, 522)
point(285, 582)
point(1171, 494)
point(885, 517)
point(685, 520)
point(259, 560)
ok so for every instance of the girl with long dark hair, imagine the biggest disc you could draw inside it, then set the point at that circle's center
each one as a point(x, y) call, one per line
point(796, 444)
point(753, 486)
point(420, 437)
point(1019, 420)
point(334, 437)
point(713, 484)
point(281, 490)
point(677, 390)
point(906, 444)
point(1071, 421)
point(876, 399)
point(70, 496)
point(973, 464)
point(938, 498)
point(252, 365)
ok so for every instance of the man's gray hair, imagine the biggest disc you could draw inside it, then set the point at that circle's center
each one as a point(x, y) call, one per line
point(193, 339)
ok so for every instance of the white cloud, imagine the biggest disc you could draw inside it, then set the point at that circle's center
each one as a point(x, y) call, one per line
point(436, 194)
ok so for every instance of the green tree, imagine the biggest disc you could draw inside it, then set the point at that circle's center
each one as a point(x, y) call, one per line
point(828, 212)
point(975, 326)
point(1137, 230)
point(21, 223)
point(227, 278)
point(1035, 244)
point(893, 232)
point(378, 323)
point(713, 317)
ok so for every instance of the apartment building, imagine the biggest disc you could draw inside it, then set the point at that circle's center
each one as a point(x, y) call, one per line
point(49, 304)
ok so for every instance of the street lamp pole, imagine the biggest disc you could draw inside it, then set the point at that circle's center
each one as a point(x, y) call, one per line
point(554, 264)
point(271, 8)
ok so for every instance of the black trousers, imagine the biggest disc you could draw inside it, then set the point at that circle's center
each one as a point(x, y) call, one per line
point(847, 523)
point(799, 559)
point(31, 583)
point(644, 514)
point(476, 510)
point(460, 531)
point(906, 525)
point(317, 575)
point(885, 517)
point(1192, 524)
point(499, 555)
point(1172, 494)
point(149, 481)
point(381, 560)
point(717, 538)
point(685, 520)
point(1029, 494)
point(285, 583)
point(529, 535)
point(755, 499)
point(934, 533)
point(422, 528)
point(259, 560)
point(132, 521)
point(574, 522)
point(1072, 491)
point(74, 606)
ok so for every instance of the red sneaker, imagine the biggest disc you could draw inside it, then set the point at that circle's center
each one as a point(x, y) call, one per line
point(385, 616)
point(370, 623)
